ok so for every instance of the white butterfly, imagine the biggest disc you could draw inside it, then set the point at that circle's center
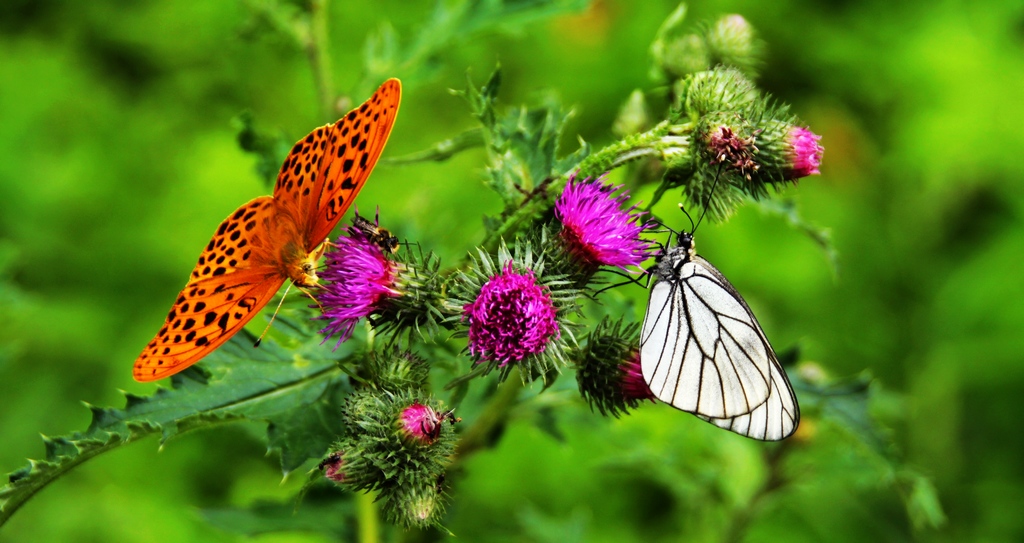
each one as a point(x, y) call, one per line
point(702, 350)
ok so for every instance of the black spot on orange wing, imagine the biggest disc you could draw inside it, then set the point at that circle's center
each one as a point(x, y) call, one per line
point(232, 300)
point(247, 222)
point(348, 149)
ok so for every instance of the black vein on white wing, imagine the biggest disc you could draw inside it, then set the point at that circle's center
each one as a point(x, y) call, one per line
point(703, 351)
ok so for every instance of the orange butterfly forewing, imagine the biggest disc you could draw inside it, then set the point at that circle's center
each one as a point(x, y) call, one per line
point(272, 239)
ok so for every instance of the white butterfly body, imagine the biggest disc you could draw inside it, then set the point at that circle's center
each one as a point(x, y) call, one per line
point(703, 351)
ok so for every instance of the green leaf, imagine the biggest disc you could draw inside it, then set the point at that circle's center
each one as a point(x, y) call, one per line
point(442, 150)
point(270, 148)
point(523, 154)
point(922, 501)
point(451, 23)
point(847, 405)
point(306, 430)
point(297, 392)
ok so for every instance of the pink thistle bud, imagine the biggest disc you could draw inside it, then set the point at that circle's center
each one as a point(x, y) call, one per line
point(803, 153)
point(331, 466)
point(634, 387)
point(420, 423)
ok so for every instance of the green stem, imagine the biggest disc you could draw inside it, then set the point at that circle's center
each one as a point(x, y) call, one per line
point(443, 150)
point(495, 414)
point(369, 521)
point(631, 148)
point(317, 50)
point(666, 141)
point(743, 516)
point(527, 211)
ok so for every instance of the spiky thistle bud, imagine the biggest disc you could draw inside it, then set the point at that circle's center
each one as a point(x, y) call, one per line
point(744, 147)
point(731, 41)
point(395, 371)
point(785, 151)
point(609, 373)
point(399, 445)
point(719, 90)
point(416, 505)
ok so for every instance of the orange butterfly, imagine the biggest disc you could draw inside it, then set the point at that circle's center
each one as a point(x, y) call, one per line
point(272, 238)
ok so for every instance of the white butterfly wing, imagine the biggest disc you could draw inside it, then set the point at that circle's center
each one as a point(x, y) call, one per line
point(775, 419)
point(702, 351)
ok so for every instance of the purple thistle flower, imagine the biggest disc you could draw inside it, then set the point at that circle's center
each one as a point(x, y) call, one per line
point(358, 280)
point(512, 317)
point(634, 387)
point(595, 228)
point(803, 153)
point(421, 423)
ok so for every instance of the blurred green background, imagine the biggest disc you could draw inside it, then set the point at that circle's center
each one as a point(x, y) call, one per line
point(118, 158)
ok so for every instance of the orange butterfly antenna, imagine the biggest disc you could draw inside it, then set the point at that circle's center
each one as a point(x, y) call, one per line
point(278, 308)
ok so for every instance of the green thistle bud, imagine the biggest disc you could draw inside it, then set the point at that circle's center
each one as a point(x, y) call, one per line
point(414, 505)
point(745, 147)
point(787, 152)
point(685, 55)
point(396, 371)
point(717, 90)
point(609, 373)
point(731, 41)
point(633, 116)
point(381, 453)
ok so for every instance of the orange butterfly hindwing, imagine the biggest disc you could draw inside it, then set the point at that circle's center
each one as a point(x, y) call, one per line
point(272, 239)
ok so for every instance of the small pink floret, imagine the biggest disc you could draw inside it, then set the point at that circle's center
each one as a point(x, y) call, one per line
point(421, 423)
point(804, 153)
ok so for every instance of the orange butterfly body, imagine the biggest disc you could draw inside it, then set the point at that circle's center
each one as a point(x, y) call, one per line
point(272, 239)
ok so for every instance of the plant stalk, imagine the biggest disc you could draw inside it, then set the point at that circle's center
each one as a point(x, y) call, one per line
point(369, 522)
point(317, 49)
